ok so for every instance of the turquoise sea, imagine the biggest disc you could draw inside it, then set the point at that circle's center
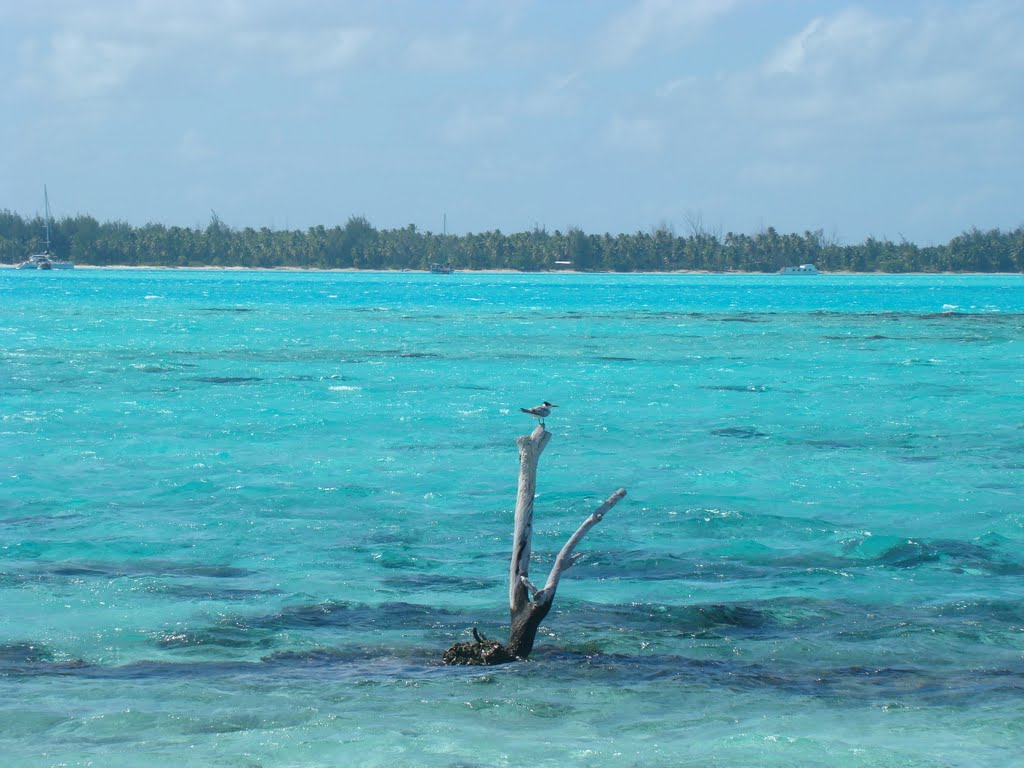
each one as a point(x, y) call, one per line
point(242, 514)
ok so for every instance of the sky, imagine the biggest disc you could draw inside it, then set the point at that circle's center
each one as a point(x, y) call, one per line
point(888, 119)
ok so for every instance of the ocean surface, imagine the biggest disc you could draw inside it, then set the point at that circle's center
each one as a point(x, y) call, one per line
point(242, 514)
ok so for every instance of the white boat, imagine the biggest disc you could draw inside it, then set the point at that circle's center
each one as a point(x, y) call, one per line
point(36, 261)
point(446, 268)
point(803, 269)
point(45, 260)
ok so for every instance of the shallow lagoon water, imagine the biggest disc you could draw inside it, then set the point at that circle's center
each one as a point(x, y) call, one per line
point(243, 513)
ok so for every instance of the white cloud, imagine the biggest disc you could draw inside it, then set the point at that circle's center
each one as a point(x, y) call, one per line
point(442, 53)
point(557, 95)
point(488, 120)
point(955, 62)
point(826, 45)
point(77, 67)
point(635, 134)
point(773, 175)
point(655, 21)
point(861, 106)
point(193, 148)
point(676, 87)
point(473, 124)
point(95, 51)
point(313, 52)
point(861, 88)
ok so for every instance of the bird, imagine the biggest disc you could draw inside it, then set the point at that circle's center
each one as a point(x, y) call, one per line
point(540, 411)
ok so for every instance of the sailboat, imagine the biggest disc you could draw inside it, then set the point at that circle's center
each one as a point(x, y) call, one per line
point(45, 260)
point(446, 268)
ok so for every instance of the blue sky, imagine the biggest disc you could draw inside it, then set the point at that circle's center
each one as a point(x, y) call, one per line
point(890, 119)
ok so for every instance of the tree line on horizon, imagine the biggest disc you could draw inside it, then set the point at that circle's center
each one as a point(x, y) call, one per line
point(358, 245)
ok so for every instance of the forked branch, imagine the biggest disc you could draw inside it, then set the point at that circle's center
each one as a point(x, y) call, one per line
point(527, 605)
point(565, 558)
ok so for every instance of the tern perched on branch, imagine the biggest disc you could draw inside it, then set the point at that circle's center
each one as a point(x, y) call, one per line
point(540, 411)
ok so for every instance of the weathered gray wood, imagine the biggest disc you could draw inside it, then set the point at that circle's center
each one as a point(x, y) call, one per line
point(527, 605)
point(530, 448)
point(565, 558)
point(527, 614)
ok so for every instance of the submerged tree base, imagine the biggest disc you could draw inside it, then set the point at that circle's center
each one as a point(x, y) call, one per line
point(480, 653)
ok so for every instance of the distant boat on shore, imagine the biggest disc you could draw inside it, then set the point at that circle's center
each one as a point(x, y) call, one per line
point(437, 267)
point(803, 269)
point(45, 260)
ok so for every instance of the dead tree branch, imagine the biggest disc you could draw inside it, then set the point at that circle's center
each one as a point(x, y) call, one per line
point(527, 605)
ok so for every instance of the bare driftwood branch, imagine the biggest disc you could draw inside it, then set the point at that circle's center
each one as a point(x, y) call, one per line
point(527, 605)
point(566, 557)
point(530, 448)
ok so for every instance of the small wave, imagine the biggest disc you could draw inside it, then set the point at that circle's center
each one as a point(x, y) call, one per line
point(27, 417)
point(343, 388)
point(736, 388)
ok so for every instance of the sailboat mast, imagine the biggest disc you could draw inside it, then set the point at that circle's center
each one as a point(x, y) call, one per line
point(46, 203)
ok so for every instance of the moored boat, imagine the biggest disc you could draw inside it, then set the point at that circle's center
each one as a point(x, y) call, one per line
point(437, 267)
point(45, 260)
point(36, 261)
